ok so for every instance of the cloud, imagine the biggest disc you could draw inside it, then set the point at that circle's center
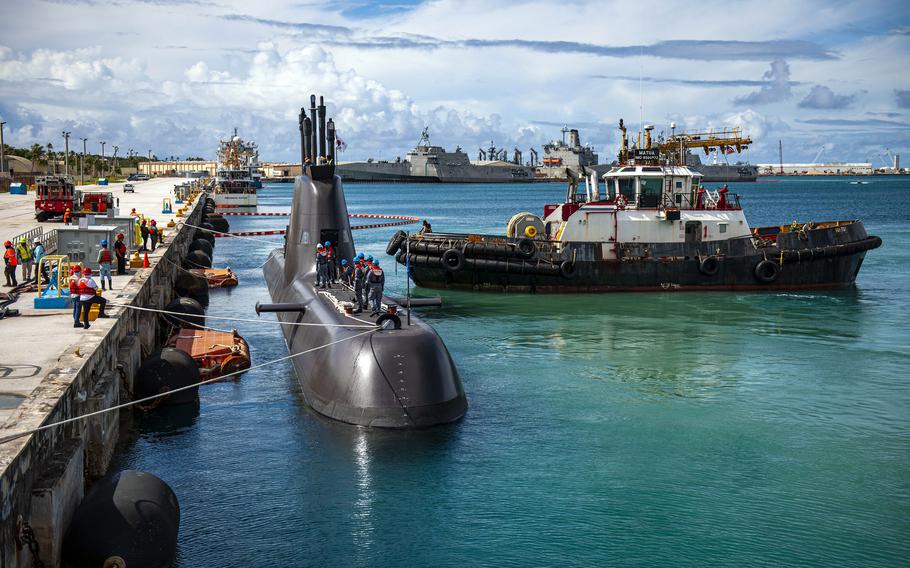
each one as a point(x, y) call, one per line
point(821, 97)
point(903, 98)
point(866, 124)
point(702, 50)
point(691, 82)
point(775, 86)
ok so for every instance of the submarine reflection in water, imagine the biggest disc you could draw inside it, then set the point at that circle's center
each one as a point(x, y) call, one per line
point(395, 376)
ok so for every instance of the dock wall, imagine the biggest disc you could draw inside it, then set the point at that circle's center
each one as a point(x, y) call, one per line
point(44, 475)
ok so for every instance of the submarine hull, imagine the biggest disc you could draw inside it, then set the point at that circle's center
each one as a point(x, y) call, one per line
point(365, 375)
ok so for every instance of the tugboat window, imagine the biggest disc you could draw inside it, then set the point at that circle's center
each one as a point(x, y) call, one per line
point(651, 191)
point(627, 188)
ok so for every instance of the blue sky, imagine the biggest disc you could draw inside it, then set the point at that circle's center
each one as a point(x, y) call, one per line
point(175, 76)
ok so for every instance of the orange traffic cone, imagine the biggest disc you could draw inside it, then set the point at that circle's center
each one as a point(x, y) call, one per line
point(145, 261)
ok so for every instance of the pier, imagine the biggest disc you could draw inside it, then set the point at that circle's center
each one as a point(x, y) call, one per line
point(51, 372)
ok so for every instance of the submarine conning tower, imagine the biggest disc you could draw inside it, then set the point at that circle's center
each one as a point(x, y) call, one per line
point(398, 376)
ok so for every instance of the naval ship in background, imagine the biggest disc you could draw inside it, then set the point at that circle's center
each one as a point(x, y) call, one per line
point(237, 177)
point(740, 171)
point(432, 164)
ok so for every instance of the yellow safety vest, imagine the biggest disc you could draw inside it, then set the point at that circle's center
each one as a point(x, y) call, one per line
point(24, 252)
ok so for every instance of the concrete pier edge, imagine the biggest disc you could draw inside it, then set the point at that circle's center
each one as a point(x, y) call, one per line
point(44, 475)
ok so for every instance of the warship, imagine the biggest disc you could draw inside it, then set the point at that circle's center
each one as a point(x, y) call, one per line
point(235, 182)
point(715, 172)
point(562, 158)
point(651, 225)
point(374, 371)
point(427, 163)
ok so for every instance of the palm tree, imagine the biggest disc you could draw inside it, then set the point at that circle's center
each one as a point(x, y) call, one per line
point(34, 155)
point(50, 154)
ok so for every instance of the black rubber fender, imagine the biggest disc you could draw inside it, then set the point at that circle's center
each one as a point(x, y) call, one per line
point(525, 248)
point(192, 286)
point(166, 370)
point(567, 269)
point(767, 271)
point(453, 260)
point(198, 259)
point(131, 514)
point(395, 242)
point(709, 265)
point(192, 312)
point(204, 245)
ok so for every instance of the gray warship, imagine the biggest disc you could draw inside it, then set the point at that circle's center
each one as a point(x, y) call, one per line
point(366, 370)
point(427, 163)
point(740, 171)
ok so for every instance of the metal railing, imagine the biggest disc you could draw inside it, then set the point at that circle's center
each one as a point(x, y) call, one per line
point(48, 240)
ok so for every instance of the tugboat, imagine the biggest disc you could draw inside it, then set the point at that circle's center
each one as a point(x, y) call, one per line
point(651, 226)
point(368, 370)
point(235, 183)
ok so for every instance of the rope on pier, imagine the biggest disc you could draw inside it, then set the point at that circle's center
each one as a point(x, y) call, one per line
point(17, 435)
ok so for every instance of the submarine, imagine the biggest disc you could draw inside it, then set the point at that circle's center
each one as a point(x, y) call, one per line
point(375, 371)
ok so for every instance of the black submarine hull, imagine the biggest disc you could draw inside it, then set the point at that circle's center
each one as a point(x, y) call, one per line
point(387, 378)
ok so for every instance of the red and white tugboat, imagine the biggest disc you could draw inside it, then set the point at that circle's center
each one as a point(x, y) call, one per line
point(650, 226)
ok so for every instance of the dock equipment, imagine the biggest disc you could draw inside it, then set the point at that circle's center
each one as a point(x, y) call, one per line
point(53, 287)
point(216, 353)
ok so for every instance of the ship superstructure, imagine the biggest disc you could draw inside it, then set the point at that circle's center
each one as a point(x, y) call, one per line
point(238, 161)
point(559, 155)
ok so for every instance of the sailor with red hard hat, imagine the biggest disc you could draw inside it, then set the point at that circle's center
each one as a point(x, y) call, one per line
point(75, 275)
point(120, 251)
point(88, 296)
point(375, 283)
point(10, 262)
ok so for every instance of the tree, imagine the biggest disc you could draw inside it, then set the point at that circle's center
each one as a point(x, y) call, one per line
point(50, 156)
point(34, 155)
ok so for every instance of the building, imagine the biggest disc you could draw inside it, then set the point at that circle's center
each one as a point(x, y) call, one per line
point(279, 170)
point(177, 168)
point(832, 169)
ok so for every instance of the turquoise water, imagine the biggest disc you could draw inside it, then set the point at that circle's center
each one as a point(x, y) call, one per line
point(634, 429)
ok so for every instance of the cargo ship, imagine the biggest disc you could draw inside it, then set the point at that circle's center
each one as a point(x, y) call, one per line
point(235, 184)
point(647, 224)
point(427, 163)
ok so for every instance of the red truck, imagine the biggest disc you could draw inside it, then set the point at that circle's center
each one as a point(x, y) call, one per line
point(55, 194)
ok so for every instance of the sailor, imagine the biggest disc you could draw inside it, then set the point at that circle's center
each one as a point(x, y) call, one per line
point(375, 286)
point(10, 262)
point(104, 261)
point(144, 231)
point(24, 252)
point(153, 234)
point(425, 228)
point(120, 251)
point(345, 271)
point(359, 275)
point(322, 266)
point(75, 275)
point(88, 296)
point(367, 267)
point(332, 266)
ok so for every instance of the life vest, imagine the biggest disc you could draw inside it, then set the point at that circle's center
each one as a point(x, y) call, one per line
point(10, 256)
point(105, 256)
point(120, 247)
point(74, 285)
point(83, 286)
point(24, 252)
point(153, 230)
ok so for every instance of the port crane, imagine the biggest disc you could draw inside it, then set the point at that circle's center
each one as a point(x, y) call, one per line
point(676, 145)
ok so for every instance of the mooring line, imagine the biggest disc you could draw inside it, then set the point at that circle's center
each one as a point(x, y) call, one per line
point(208, 317)
point(17, 435)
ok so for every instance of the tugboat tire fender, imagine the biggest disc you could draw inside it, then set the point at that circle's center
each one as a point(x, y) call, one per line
point(567, 269)
point(709, 265)
point(767, 271)
point(395, 242)
point(525, 248)
point(453, 260)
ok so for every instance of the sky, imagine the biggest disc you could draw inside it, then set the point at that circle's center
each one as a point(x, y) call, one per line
point(825, 77)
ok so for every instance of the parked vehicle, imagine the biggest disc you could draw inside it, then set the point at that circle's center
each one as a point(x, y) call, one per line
point(129, 188)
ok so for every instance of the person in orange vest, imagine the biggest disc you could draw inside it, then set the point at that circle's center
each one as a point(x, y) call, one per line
point(10, 263)
point(104, 262)
point(88, 295)
point(66, 216)
point(75, 275)
point(120, 251)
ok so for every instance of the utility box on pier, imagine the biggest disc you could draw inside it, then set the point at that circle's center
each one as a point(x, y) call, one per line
point(82, 245)
point(125, 225)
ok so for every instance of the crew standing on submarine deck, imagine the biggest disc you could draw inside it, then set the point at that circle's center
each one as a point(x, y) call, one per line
point(359, 275)
point(375, 285)
point(322, 266)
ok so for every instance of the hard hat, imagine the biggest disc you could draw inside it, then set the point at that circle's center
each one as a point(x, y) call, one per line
point(120, 235)
point(104, 243)
point(376, 262)
point(75, 269)
point(7, 244)
point(319, 246)
point(23, 240)
point(37, 240)
point(67, 208)
point(344, 261)
point(370, 257)
point(87, 271)
point(360, 255)
point(327, 243)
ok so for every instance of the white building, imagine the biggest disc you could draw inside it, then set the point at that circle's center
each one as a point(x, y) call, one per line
point(835, 168)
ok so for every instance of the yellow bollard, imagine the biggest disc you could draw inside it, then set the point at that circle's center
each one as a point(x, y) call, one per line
point(135, 261)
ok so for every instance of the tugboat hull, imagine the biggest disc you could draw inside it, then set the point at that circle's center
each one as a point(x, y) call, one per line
point(826, 257)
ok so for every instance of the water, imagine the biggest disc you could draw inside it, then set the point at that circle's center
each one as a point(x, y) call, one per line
point(642, 429)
